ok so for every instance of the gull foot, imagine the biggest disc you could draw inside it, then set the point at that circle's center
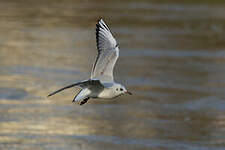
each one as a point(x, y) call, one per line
point(84, 101)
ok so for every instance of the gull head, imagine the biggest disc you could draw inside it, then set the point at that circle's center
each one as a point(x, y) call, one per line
point(120, 90)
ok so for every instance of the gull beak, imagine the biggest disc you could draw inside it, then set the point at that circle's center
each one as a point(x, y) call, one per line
point(127, 92)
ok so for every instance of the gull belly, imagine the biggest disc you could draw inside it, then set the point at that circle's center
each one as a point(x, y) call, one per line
point(107, 93)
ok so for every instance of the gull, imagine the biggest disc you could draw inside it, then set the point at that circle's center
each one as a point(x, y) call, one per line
point(101, 83)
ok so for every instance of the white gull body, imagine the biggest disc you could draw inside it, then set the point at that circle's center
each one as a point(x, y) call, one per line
point(101, 84)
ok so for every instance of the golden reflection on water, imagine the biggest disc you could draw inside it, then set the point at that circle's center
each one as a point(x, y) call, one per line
point(172, 59)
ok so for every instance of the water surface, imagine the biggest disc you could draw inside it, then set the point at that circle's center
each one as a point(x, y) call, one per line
point(172, 58)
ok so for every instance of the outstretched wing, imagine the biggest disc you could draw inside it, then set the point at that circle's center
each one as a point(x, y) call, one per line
point(90, 84)
point(108, 52)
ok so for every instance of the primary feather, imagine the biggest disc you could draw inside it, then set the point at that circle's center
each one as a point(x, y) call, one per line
point(108, 52)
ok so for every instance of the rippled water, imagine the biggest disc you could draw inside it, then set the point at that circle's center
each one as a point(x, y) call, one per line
point(172, 58)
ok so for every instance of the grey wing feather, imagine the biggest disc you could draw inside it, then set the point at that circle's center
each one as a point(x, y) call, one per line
point(108, 52)
point(66, 87)
point(91, 84)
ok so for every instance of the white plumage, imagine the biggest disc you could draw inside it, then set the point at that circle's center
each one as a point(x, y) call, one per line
point(108, 52)
point(101, 84)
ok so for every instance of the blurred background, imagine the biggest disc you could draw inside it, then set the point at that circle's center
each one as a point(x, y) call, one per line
point(172, 58)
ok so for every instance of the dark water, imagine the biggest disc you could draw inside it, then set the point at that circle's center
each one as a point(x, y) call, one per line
point(172, 58)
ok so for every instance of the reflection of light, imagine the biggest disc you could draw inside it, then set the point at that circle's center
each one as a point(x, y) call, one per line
point(74, 120)
point(34, 121)
point(7, 139)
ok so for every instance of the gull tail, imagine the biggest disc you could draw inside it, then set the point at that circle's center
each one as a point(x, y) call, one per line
point(66, 87)
point(82, 95)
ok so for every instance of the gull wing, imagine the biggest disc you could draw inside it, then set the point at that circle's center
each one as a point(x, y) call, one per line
point(108, 52)
point(90, 84)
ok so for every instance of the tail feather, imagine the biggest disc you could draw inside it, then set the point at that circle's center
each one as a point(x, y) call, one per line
point(83, 94)
point(75, 97)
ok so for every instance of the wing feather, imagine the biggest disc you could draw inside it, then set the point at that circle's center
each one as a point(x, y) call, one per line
point(90, 84)
point(108, 53)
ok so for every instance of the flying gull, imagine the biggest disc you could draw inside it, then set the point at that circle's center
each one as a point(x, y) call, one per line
point(101, 84)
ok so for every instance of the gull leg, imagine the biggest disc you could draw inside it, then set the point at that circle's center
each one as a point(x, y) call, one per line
point(84, 101)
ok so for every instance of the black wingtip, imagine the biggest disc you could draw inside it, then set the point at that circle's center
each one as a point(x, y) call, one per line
point(98, 20)
point(50, 94)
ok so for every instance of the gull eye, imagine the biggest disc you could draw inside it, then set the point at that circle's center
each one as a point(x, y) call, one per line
point(121, 89)
point(117, 89)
